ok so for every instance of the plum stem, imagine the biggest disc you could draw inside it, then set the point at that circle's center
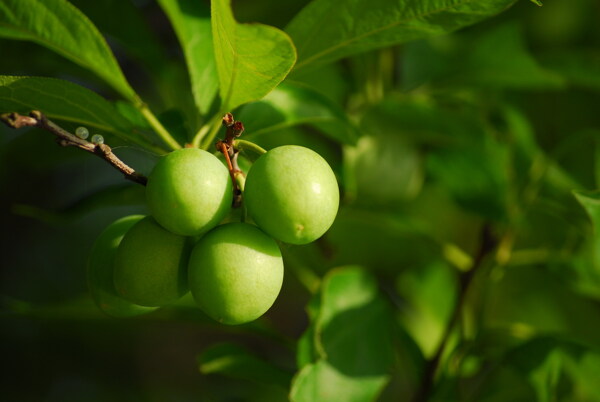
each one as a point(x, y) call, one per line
point(66, 139)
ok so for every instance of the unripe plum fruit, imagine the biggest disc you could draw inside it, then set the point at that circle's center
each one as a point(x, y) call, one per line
point(101, 268)
point(235, 273)
point(292, 194)
point(151, 265)
point(189, 191)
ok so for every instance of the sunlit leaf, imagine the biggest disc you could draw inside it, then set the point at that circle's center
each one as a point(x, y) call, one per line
point(354, 338)
point(327, 30)
point(191, 21)
point(251, 59)
point(59, 26)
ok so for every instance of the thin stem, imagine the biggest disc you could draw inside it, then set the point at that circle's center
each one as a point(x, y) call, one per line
point(158, 127)
point(488, 244)
point(244, 145)
point(212, 124)
point(207, 140)
point(66, 139)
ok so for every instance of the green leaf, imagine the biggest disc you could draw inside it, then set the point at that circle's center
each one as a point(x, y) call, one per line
point(430, 292)
point(557, 369)
point(473, 166)
point(59, 26)
point(500, 59)
point(191, 21)
point(58, 99)
point(327, 30)
point(63, 100)
point(496, 58)
point(537, 2)
point(590, 200)
point(234, 361)
point(581, 68)
point(293, 104)
point(354, 339)
point(252, 59)
point(388, 150)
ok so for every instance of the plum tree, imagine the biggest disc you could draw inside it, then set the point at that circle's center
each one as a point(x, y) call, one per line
point(151, 265)
point(292, 194)
point(235, 273)
point(189, 192)
point(101, 268)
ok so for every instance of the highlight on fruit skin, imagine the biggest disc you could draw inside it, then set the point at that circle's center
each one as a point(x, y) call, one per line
point(151, 265)
point(292, 194)
point(100, 270)
point(235, 273)
point(189, 192)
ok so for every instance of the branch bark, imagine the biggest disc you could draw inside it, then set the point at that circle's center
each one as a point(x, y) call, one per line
point(66, 139)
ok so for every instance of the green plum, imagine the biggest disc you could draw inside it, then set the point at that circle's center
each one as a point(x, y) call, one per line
point(100, 270)
point(151, 265)
point(189, 192)
point(292, 194)
point(235, 273)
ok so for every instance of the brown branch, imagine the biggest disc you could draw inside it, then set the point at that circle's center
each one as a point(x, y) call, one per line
point(66, 139)
point(234, 130)
point(489, 243)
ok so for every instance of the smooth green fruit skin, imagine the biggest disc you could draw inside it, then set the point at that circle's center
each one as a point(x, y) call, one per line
point(235, 273)
point(189, 192)
point(100, 271)
point(151, 265)
point(292, 194)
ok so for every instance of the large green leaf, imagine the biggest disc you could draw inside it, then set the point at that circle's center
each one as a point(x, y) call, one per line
point(294, 104)
point(327, 30)
point(63, 100)
point(59, 26)
point(354, 338)
point(191, 21)
point(252, 59)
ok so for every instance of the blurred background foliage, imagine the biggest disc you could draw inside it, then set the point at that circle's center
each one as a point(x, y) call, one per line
point(495, 125)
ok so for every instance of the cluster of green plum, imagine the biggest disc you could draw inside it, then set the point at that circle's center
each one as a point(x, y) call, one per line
point(233, 270)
